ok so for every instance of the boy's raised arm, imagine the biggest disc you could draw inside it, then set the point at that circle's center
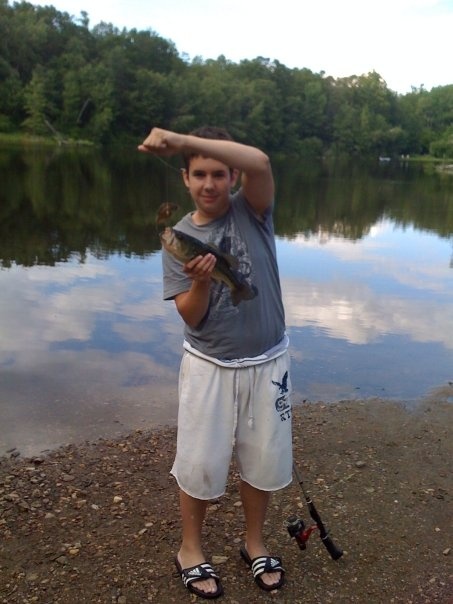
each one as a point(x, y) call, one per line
point(257, 179)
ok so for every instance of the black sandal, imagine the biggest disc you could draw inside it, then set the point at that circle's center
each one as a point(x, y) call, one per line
point(264, 564)
point(197, 573)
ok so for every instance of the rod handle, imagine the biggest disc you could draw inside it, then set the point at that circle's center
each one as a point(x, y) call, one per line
point(334, 551)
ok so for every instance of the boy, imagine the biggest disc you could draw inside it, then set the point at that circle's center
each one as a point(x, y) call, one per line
point(234, 383)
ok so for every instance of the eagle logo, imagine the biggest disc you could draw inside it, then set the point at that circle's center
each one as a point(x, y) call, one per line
point(282, 405)
point(283, 387)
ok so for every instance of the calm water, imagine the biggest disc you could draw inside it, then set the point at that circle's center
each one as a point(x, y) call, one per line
point(88, 348)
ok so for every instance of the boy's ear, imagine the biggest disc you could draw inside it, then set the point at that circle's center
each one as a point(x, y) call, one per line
point(185, 176)
point(234, 176)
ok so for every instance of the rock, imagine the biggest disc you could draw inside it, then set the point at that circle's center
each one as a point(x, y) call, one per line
point(67, 477)
point(62, 560)
point(219, 559)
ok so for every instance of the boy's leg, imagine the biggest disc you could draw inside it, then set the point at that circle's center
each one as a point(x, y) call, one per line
point(190, 554)
point(255, 503)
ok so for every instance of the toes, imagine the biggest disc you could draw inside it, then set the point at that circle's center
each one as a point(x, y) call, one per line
point(208, 586)
point(271, 578)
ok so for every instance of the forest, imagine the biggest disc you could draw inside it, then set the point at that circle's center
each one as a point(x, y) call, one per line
point(63, 79)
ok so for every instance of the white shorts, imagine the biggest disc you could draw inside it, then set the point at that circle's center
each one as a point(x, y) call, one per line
point(247, 409)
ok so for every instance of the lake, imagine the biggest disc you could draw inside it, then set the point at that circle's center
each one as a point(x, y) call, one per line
point(89, 349)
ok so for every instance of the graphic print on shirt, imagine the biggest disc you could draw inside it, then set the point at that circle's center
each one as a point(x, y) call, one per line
point(229, 240)
point(282, 404)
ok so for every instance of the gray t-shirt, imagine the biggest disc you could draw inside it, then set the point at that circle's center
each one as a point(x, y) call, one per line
point(253, 326)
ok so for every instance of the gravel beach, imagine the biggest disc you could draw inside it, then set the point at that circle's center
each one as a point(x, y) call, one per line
point(98, 521)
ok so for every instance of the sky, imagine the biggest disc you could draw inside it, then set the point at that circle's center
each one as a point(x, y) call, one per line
point(408, 42)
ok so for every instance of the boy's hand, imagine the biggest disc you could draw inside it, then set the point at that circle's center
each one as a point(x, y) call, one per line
point(201, 268)
point(162, 142)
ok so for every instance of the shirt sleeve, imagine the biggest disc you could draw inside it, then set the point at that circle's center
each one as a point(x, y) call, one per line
point(175, 281)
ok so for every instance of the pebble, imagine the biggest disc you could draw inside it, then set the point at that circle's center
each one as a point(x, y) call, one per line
point(360, 464)
point(219, 559)
point(32, 577)
point(62, 560)
point(67, 477)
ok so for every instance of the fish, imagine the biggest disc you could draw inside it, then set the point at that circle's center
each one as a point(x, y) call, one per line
point(185, 247)
point(165, 212)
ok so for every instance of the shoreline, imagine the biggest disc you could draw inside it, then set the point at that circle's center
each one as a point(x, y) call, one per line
point(99, 521)
point(163, 416)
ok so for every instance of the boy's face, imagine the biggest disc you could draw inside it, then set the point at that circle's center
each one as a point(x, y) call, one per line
point(209, 182)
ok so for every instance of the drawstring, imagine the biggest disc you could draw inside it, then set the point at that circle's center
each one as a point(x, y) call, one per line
point(236, 402)
point(251, 370)
point(238, 373)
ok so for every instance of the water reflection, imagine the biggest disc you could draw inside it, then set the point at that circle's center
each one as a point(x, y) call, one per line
point(372, 318)
point(88, 348)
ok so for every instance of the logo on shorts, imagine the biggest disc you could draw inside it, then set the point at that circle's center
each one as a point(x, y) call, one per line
point(282, 404)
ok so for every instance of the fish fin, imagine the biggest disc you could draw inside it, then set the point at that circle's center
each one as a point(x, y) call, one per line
point(232, 261)
point(243, 292)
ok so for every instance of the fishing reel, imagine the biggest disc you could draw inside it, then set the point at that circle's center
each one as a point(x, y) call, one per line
point(299, 531)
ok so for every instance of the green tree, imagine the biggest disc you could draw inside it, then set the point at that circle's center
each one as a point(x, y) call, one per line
point(35, 102)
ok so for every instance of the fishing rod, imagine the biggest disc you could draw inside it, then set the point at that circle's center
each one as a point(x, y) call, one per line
point(297, 529)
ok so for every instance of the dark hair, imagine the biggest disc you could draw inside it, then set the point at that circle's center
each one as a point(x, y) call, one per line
point(212, 132)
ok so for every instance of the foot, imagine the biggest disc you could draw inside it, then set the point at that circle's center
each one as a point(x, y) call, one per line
point(188, 560)
point(271, 578)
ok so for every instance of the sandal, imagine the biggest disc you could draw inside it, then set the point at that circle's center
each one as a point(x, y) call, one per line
point(264, 564)
point(197, 573)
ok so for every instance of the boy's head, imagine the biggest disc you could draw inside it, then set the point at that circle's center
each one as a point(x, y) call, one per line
point(209, 181)
point(212, 132)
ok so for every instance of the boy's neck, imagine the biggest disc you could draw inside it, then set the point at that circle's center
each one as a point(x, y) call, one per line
point(200, 218)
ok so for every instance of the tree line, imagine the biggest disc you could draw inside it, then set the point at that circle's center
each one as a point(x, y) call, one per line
point(59, 77)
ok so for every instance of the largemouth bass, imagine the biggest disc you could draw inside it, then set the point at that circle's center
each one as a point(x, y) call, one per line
point(185, 247)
